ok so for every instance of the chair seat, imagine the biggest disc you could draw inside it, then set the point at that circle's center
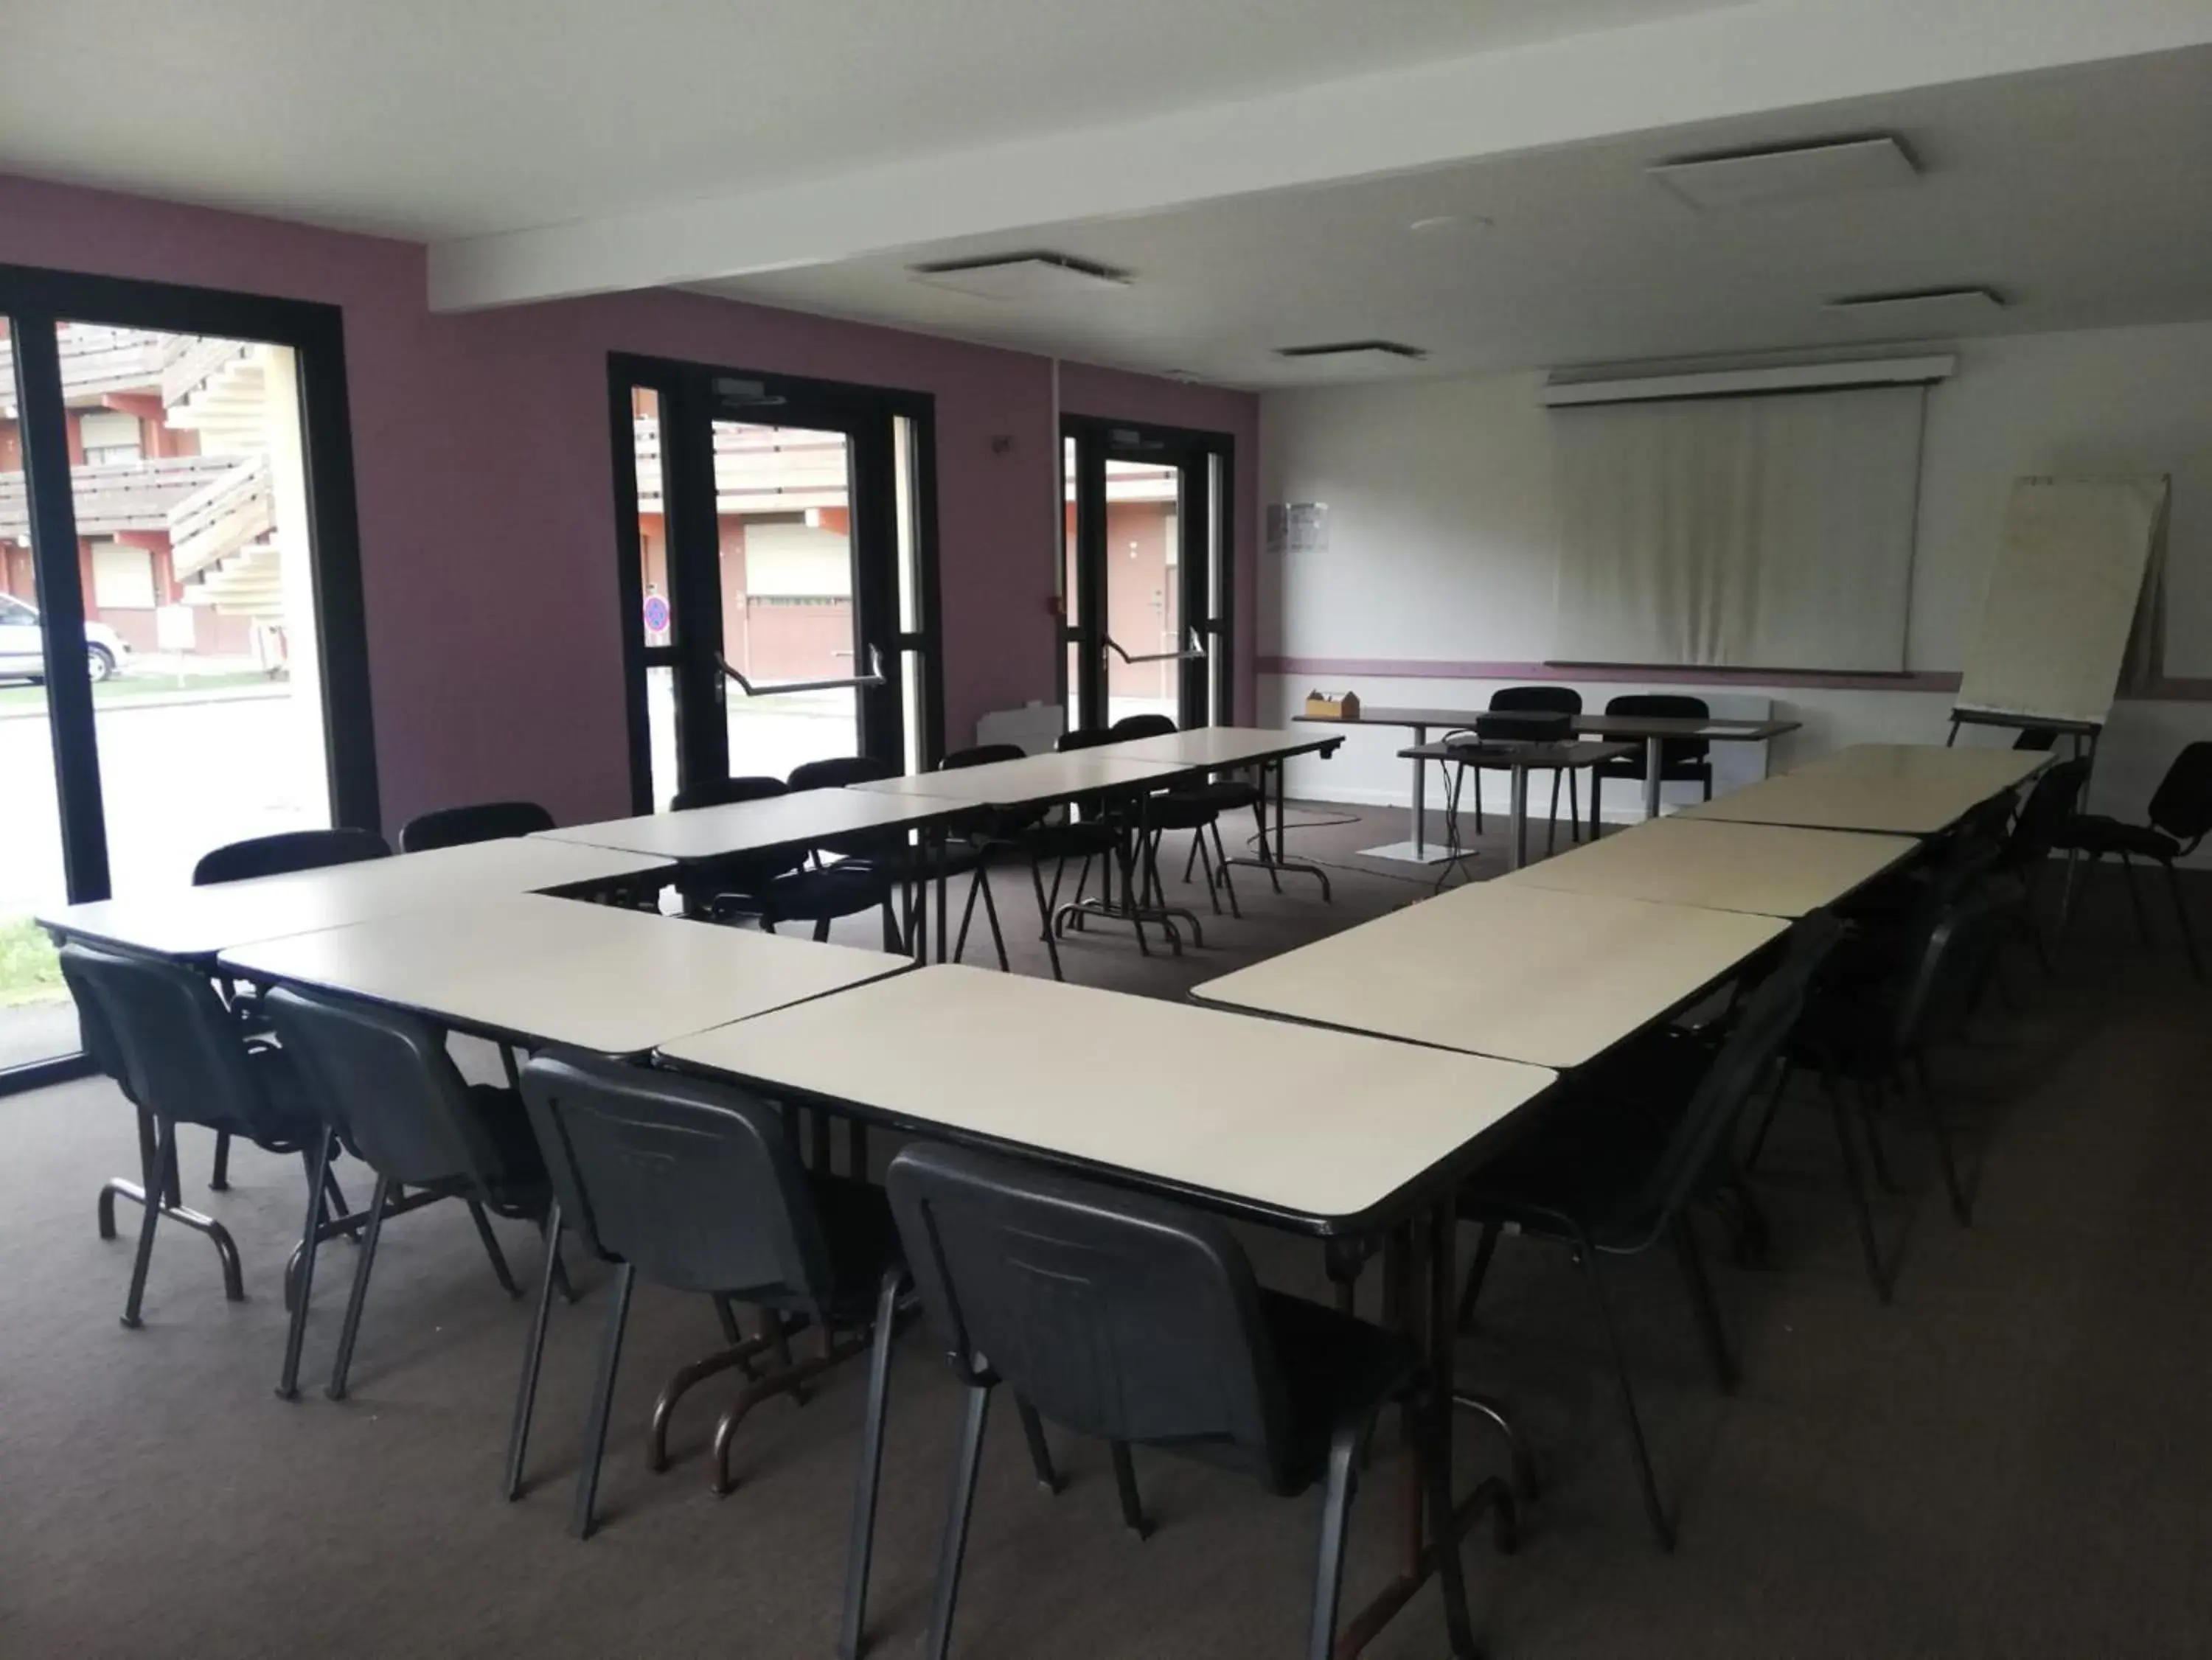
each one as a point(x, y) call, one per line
point(1078, 838)
point(839, 890)
point(1223, 795)
point(292, 1121)
point(908, 863)
point(2093, 832)
point(1176, 811)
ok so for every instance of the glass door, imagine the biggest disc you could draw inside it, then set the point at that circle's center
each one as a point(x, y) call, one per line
point(779, 577)
point(1145, 601)
point(182, 662)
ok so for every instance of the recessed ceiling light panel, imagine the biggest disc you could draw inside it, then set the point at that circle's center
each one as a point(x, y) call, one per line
point(1034, 275)
point(1798, 173)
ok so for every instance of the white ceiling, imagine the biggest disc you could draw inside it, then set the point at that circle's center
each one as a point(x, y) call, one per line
point(2080, 194)
point(444, 119)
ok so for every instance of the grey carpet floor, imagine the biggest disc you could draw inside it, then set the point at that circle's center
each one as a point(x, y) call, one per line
point(2015, 1459)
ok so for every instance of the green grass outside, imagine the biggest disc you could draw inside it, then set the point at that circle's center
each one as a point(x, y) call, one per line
point(135, 688)
point(29, 971)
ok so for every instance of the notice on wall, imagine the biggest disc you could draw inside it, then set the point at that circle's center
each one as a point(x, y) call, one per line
point(1297, 527)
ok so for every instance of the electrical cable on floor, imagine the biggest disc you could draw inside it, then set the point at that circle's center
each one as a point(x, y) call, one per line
point(1252, 845)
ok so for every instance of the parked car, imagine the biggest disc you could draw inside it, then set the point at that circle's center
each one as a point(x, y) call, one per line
point(23, 651)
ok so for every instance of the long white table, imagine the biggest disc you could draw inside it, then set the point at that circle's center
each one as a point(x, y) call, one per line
point(1033, 780)
point(1776, 870)
point(1324, 1132)
point(803, 818)
point(529, 969)
point(1896, 788)
point(1506, 969)
point(197, 923)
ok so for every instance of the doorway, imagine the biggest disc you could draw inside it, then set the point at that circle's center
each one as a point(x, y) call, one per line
point(778, 573)
point(1144, 573)
point(182, 659)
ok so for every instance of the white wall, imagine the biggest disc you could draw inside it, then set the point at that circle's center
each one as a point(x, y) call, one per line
point(1440, 542)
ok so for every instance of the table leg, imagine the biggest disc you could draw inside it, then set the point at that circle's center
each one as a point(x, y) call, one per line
point(1518, 855)
point(943, 858)
point(1655, 751)
point(1415, 850)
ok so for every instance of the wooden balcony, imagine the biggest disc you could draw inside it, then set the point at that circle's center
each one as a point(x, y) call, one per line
point(757, 469)
point(129, 495)
point(96, 361)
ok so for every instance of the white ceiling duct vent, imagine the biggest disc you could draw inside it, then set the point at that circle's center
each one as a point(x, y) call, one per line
point(1367, 352)
point(1921, 310)
point(1798, 173)
point(1021, 277)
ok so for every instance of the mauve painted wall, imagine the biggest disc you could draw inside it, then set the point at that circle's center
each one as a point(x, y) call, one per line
point(480, 455)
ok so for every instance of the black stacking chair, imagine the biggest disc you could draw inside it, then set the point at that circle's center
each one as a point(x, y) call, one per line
point(1543, 701)
point(892, 855)
point(1681, 761)
point(275, 856)
point(778, 888)
point(1034, 838)
point(1139, 1322)
point(2180, 816)
point(183, 1059)
point(2042, 823)
point(1196, 808)
point(1613, 1169)
point(2036, 737)
point(456, 827)
point(393, 1096)
point(699, 1188)
point(1119, 828)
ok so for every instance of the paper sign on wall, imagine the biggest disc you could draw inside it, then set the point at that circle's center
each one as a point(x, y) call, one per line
point(1297, 527)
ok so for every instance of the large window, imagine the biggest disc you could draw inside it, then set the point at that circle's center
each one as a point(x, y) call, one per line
point(181, 651)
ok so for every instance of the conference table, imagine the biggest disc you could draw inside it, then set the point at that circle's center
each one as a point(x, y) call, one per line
point(1894, 788)
point(1650, 730)
point(194, 924)
point(1519, 972)
point(527, 970)
point(1325, 1133)
point(1776, 870)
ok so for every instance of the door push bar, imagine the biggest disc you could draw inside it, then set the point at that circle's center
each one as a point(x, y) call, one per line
point(1194, 652)
point(873, 677)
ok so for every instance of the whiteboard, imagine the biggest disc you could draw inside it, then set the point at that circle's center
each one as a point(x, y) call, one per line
point(2063, 597)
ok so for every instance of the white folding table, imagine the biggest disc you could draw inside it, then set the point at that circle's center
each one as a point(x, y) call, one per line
point(1776, 870)
point(197, 923)
point(1898, 789)
point(528, 969)
point(1506, 969)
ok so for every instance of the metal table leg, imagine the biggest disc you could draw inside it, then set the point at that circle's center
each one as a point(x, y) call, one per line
point(1417, 851)
point(1273, 861)
point(1655, 750)
point(1519, 854)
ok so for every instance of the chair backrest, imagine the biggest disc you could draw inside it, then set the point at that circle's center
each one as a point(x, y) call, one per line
point(2181, 804)
point(697, 1185)
point(1758, 1027)
point(2037, 737)
point(92, 1030)
point(840, 771)
point(1141, 726)
point(1116, 1314)
point(726, 792)
point(172, 1041)
point(1541, 699)
point(1667, 705)
point(289, 850)
point(2043, 817)
point(1086, 737)
point(382, 1079)
point(983, 754)
point(1956, 954)
point(489, 821)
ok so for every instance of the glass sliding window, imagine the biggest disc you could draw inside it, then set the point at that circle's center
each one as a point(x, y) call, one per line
point(656, 611)
point(1144, 609)
point(38, 1022)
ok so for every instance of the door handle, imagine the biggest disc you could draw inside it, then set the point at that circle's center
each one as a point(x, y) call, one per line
point(1195, 651)
point(873, 677)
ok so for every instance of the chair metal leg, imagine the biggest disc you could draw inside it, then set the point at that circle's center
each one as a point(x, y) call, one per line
point(1552, 819)
point(1221, 870)
point(955, 1544)
point(2181, 919)
point(991, 916)
point(1125, 1485)
point(1485, 1248)
point(1197, 852)
point(1335, 1518)
point(1044, 915)
point(499, 1267)
point(1574, 808)
point(593, 1449)
point(1686, 1252)
point(1662, 1529)
point(295, 1335)
point(1259, 817)
point(1870, 1101)
point(1190, 860)
point(165, 1159)
point(362, 1264)
point(220, 1181)
point(1047, 1476)
point(1766, 1119)
point(1962, 1206)
point(1443, 1524)
point(533, 1355)
point(1855, 1178)
point(821, 929)
point(2135, 898)
point(868, 1478)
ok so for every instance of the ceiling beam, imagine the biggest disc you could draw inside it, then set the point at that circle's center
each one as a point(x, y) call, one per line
point(1737, 60)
